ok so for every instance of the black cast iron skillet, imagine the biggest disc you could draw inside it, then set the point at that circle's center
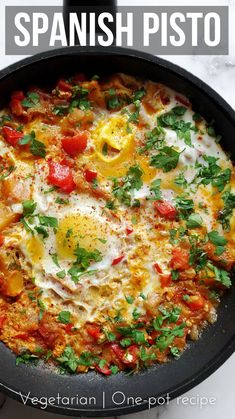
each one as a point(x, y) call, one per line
point(203, 357)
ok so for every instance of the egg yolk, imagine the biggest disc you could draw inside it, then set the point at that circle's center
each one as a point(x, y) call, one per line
point(115, 149)
point(35, 249)
point(82, 230)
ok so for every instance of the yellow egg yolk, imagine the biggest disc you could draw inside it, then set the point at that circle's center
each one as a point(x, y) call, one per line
point(82, 230)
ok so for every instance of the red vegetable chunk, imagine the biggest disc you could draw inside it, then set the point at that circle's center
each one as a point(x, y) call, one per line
point(61, 176)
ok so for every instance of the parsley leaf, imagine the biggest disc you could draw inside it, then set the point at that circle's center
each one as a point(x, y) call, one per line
point(194, 221)
point(220, 275)
point(26, 358)
point(37, 148)
point(226, 213)
point(64, 317)
point(29, 207)
point(69, 359)
point(32, 100)
point(155, 190)
point(168, 335)
point(166, 160)
point(218, 241)
point(132, 180)
point(212, 173)
point(184, 206)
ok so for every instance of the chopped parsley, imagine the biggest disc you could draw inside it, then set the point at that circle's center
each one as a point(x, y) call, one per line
point(69, 359)
point(154, 140)
point(168, 335)
point(129, 299)
point(221, 275)
point(212, 173)
point(218, 241)
point(64, 317)
point(61, 274)
point(32, 100)
point(132, 180)
point(36, 147)
point(194, 221)
point(167, 159)
point(113, 101)
point(29, 207)
point(26, 358)
point(155, 190)
point(83, 261)
point(226, 213)
point(185, 206)
point(182, 128)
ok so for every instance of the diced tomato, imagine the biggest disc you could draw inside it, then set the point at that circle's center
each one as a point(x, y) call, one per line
point(180, 259)
point(182, 100)
point(61, 176)
point(69, 327)
point(11, 135)
point(75, 145)
point(131, 355)
point(49, 336)
point(129, 230)
point(195, 302)
point(2, 321)
point(23, 336)
point(64, 86)
point(67, 162)
point(19, 95)
point(151, 341)
point(117, 260)
point(90, 175)
point(165, 280)
point(15, 104)
point(119, 352)
point(1, 239)
point(157, 268)
point(165, 209)
point(80, 77)
point(104, 369)
point(94, 331)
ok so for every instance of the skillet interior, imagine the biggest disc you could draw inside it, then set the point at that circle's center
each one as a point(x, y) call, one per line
point(217, 342)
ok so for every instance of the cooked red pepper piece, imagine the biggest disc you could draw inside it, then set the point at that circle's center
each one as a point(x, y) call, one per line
point(165, 209)
point(183, 101)
point(64, 86)
point(2, 321)
point(180, 259)
point(1, 239)
point(61, 176)
point(69, 327)
point(195, 302)
point(15, 104)
point(131, 355)
point(75, 145)
point(165, 280)
point(23, 336)
point(129, 230)
point(117, 260)
point(157, 267)
point(94, 331)
point(90, 175)
point(119, 352)
point(104, 369)
point(11, 135)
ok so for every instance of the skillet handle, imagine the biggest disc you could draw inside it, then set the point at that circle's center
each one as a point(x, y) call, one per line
point(97, 3)
point(88, 7)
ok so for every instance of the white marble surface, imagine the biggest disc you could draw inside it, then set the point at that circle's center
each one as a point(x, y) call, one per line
point(219, 73)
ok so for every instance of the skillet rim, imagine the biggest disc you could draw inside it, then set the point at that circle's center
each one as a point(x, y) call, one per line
point(220, 357)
